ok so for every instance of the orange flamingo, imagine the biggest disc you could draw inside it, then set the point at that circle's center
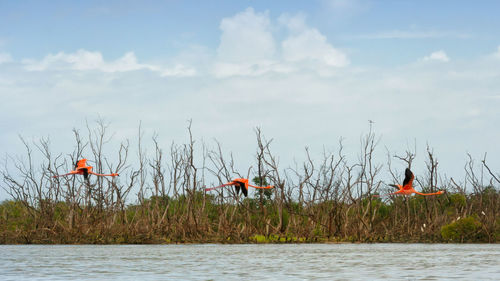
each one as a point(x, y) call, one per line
point(81, 168)
point(407, 187)
point(240, 184)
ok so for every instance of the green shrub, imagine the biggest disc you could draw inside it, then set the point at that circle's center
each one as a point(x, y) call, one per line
point(14, 215)
point(457, 200)
point(464, 230)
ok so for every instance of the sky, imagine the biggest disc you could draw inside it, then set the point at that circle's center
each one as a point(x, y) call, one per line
point(308, 73)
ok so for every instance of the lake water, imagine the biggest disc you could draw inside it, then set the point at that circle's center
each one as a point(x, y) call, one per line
point(251, 262)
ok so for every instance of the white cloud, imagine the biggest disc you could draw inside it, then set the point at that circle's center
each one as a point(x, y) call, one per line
point(497, 53)
point(294, 23)
point(308, 44)
point(178, 70)
point(84, 60)
point(246, 37)
point(222, 69)
point(437, 56)
point(248, 47)
point(312, 45)
point(5, 57)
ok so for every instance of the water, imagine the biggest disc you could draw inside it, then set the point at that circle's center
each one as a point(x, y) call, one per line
point(251, 262)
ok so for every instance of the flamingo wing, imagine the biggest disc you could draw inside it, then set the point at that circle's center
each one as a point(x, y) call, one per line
point(394, 185)
point(244, 189)
point(81, 163)
point(85, 173)
point(408, 181)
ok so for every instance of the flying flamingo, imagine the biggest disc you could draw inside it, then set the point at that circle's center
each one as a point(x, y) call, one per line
point(240, 184)
point(407, 187)
point(81, 168)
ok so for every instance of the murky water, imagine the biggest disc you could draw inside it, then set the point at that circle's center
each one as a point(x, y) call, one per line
point(251, 262)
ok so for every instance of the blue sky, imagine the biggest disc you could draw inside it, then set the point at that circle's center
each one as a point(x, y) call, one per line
point(307, 72)
point(155, 29)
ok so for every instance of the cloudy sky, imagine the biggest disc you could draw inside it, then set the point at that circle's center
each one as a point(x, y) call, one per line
point(306, 72)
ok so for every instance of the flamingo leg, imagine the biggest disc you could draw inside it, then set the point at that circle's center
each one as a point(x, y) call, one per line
point(222, 185)
point(70, 173)
point(262, 187)
point(103, 175)
point(427, 194)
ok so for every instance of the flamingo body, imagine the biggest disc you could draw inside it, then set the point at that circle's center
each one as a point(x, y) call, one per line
point(240, 184)
point(81, 168)
point(407, 187)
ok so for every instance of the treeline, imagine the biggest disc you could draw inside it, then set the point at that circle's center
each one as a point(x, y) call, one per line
point(161, 198)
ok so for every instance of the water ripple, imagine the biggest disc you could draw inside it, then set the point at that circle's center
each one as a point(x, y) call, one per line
point(251, 262)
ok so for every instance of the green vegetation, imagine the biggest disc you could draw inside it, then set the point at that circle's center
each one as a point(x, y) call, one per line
point(172, 220)
point(326, 201)
point(463, 230)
